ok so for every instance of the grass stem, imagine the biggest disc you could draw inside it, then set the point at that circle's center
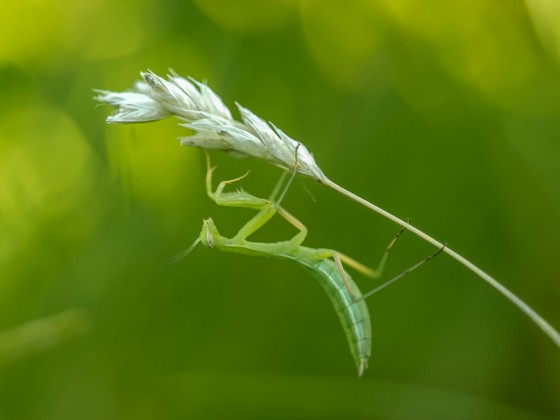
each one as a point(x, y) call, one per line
point(548, 329)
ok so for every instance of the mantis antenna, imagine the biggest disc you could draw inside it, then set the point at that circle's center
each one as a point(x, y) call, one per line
point(184, 253)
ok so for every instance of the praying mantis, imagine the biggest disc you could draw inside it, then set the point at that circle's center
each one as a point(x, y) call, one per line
point(326, 265)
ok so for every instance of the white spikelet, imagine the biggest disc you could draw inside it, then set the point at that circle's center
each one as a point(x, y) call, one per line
point(202, 111)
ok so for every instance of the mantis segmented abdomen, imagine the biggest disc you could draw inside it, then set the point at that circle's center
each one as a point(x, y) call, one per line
point(353, 314)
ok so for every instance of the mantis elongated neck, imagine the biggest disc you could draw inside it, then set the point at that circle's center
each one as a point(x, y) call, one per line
point(544, 325)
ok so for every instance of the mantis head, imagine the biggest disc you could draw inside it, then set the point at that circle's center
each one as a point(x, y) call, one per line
point(208, 237)
point(209, 233)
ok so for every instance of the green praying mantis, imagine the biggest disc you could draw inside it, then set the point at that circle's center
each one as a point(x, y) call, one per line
point(326, 265)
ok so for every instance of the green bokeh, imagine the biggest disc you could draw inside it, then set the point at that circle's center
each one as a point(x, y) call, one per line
point(445, 112)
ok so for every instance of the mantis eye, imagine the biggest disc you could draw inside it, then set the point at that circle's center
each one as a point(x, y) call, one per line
point(209, 240)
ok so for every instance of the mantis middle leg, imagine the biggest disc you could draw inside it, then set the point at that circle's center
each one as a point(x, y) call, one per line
point(365, 270)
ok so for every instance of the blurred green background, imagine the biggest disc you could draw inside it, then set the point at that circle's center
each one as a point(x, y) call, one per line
point(445, 112)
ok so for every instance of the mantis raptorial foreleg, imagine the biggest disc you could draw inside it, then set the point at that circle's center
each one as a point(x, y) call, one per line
point(267, 208)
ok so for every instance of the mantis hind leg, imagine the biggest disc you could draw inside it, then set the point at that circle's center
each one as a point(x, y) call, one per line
point(402, 274)
point(339, 259)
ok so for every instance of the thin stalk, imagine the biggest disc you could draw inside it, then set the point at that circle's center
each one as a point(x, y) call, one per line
point(548, 329)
